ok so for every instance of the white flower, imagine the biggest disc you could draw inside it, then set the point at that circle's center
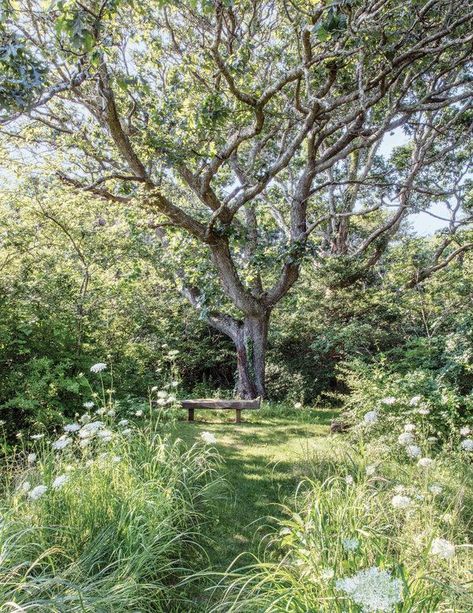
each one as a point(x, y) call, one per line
point(85, 418)
point(116, 458)
point(409, 428)
point(465, 431)
point(154, 388)
point(406, 438)
point(88, 405)
point(208, 438)
point(435, 489)
point(399, 489)
point(350, 544)
point(423, 411)
point(327, 574)
point(90, 429)
point(432, 439)
point(442, 548)
point(99, 367)
point(37, 492)
point(100, 411)
point(24, 487)
point(84, 443)
point(372, 589)
point(72, 427)
point(414, 401)
point(139, 413)
point(467, 444)
point(61, 443)
point(298, 405)
point(127, 432)
point(175, 383)
point(389, 400)
point(36, 437)
point(425, 462)
point(162, 394)
point(111, 413)
point(31, 458)
point(370, 417)
point(349, 480)
point(123, 422)
point(370, 469)
point(60, 481)
point(413, 451)
point(401, 502)
point(105, 435)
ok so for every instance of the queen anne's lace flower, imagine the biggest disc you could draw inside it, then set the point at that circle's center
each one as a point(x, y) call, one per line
point(406, 438)
point(60, 482)
point(99, 367)
point(139, 413)
point(467, 444)
point(414, 401)
point(72, 427)
point(389, 400)
point(435, 489)
point(37, 492)
point(401, 502)
point(372, 589)
point(465, 431)
point(425, 462)
point(208, 437)
point(36, 437)
point(123, 422)
point(61, 443)
point(88, 405)
point(409, 428)
point(90, 429)
point(370, 417)
point(351, 544)
point(413, 451)
point(442, 548)
point(31, 459)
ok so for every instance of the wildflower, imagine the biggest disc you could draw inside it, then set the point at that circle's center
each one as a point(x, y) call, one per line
point(84, 443)
point(413, 451)
point(123, 422)
point(90, 429)
point(24, 487)
point(154, 388)
point(327, 574)
point(60, 481)
point(99, 367)
point(423, 411)
point(370, 469)
point(208, 438)
point(173, 353)
point(85, 418)
point(399, 489)
point(372, 589)
point(406, 438)
point(409, 428)
point(175, 383)
point(401, 502)
point(71, 427)
point(100, 411)
point(111, 413)
point(298, 405)
point(465, 431)
point(116, 459)
point(162, 394)
point(31, 458)
point(442, 548)
point(36, 437)
point(61, 443)
point(350, 544)
point(432, 439)
point(37, 492)
point(88, 405)
point(435, 489)
point(127, 432)
point(467, 444)
point(2, 422)
point(370, 417)
point(349, 480)
point(414, 401)
point(139, 413)
point(389, 400)
point(425, 462)
point(105, 435)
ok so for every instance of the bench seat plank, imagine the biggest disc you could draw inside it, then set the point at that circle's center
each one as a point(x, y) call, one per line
point(210, 403)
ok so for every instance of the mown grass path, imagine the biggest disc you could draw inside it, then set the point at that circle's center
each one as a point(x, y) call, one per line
point(264, 461)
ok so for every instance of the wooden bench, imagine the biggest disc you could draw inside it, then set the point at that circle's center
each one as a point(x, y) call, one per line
point(216, 404)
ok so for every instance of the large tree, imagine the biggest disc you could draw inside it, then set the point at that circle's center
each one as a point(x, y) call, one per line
point(251, 132)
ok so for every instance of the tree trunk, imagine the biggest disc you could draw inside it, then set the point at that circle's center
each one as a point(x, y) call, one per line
point(251, 345)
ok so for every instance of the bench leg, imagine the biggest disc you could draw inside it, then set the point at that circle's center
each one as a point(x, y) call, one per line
point(238, 416)
point(191, 415)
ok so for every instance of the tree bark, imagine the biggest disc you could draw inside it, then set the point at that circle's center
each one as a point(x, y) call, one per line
point(251, 344)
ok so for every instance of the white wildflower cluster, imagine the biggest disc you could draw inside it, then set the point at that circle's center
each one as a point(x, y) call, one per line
point(414, 401)
point(389, 400)
point(37, 492)
point(425, 462)
point(467, 444)
point(98, 368)
point(465, 431)
point(350, 544)
point(59, 482)
point(372, 589)
point(407, 439)
point(370, 417)
point(72, 427)
point(61, 443)
point(401, 502)
point(208, 438)
point(435, 489)
point(88, 405)
point(442, 548)
point(31, 459)
point(164, 398)
point(36, 437)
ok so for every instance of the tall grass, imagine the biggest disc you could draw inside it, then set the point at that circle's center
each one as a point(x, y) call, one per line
point(119, 534)
point(343, 521)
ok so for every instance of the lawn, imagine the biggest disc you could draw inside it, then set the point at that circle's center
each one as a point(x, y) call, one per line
point(263, 462)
